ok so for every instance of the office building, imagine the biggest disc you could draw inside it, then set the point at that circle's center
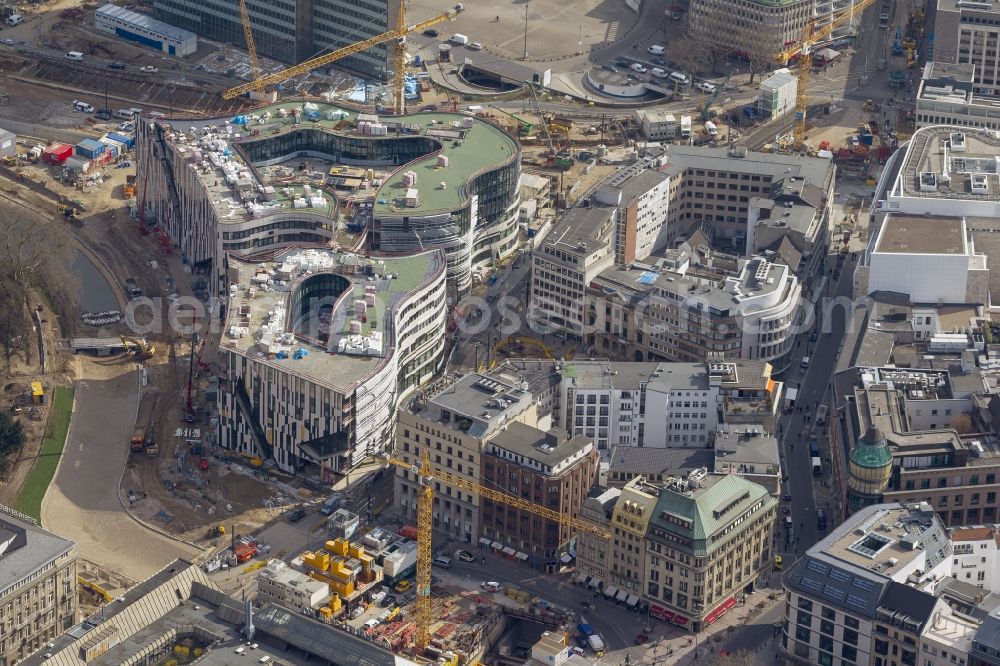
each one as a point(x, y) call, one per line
point(595, 266)
point(38, 586)
point(453, 421)
point(667, 404)
point(708, 544)
point(753, 27)
point(548, 469)
point(858, 595)
point(947, 95)
point(292, 31)
point(964, 33)
point(630, 520)
point(899, 441)
point(319, 348)
point(656, 125)
point(216, 191)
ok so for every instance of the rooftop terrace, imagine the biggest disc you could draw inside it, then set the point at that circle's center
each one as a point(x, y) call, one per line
point(216, 148)
point(270, 316)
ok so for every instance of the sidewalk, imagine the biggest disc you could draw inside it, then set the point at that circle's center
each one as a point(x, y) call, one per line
point(684, 648)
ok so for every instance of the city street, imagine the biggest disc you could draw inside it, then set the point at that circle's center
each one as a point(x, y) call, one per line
point(798, 425)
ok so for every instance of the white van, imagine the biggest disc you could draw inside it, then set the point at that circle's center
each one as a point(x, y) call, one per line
point(14, 19)
point(656, 49)
point(711, 128)
point(458, 39)
point(124, 114)
point(82, 107)
point(682, 79)
point(658, 73)
point(74, 55)
point(442, 561)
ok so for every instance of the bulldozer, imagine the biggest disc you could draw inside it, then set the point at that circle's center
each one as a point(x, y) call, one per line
point(138, 347)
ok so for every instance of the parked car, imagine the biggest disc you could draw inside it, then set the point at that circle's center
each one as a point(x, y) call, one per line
point(372, 623)
point(126, 127)
point(814, 336)
point(705, 86)
point(9, 42)
point(431, 32)
point(116, 65)
point(82, 107)
point(465, 556)
point(638, 67)
point(474, 46)
point(490, 586)
point(148, 68)
point(103, 114)
point(295, 515)
point(389, 601)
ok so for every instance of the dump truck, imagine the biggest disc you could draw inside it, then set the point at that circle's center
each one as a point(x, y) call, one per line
point(138, 444)
point(244, 551)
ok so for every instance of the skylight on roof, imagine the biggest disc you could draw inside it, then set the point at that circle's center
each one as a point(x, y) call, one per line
point(870, 545)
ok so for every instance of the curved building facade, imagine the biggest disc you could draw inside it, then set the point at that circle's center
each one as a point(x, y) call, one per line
point(320, 347)
point(869, 470)
point(252, 184)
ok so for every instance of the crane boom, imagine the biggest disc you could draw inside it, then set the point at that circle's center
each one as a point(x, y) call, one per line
point(319, 61)
point(248, 37)
point(810, 36)
point(425, 524)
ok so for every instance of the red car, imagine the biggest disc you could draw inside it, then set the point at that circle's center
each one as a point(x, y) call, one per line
point(641, 638)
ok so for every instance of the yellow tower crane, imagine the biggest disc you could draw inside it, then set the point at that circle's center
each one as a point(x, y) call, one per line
point(399, 34)
point(251, 47)
point(425, 525)
point(810, 36)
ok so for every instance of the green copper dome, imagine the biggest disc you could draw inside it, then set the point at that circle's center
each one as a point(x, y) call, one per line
point(872, 450)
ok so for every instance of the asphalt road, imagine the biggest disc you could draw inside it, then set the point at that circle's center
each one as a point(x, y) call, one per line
point(797, 426)
point(616, 624)
point(82, 503)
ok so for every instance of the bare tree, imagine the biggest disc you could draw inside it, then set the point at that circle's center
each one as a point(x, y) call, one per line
point(693, 54)
point(32, 257)
point(962, 423)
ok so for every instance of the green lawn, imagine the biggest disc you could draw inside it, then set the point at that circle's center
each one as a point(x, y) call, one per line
point(29, 501)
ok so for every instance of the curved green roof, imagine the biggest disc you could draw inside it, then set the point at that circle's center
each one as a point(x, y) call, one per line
point(872, 450)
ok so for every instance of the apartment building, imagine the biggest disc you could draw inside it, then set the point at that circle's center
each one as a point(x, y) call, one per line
point(858, 595)
point(908, 448)
point(592, 552)
point(760, 28)
point(629, 524)
point(38, 597)
point(453, 421)
point(549, 469)
point(708, 543)
point(292, 31)
point(966, 33)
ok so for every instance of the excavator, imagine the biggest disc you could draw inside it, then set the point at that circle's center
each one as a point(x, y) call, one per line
point(138, 347)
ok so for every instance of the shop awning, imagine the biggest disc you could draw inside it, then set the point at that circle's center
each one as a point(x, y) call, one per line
point(610, 592)
point(595, 582)
point(680, 619)
point(566, 558)
point(581, 576)
point(632, 600)
point(711, 617)
point(509, 551)
point(521, 556)
point(729, 603)
point(622, 595)
point(497, 545)
point(483, 541)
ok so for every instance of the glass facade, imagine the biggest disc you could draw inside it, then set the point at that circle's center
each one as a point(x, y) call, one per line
point(273, 21)
point(341, 148)
point(337, 23)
